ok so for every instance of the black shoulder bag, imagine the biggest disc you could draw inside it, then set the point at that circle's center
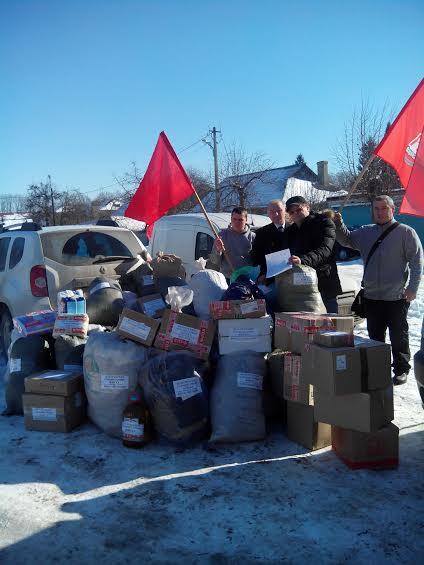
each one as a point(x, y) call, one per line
point(358, 305)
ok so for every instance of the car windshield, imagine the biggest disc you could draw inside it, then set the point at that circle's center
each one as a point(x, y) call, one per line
point(83, 248)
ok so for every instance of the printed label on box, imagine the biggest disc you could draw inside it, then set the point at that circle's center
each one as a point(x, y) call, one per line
point(132, 429)
point(44, 414)
point(341, 363)
point(249, 307)
point(249, 380)
point(301, 279)
point(148, 280)
point(244, 334)
point(99, 286)
point(15, 365)
point(186, 333)
point(186, 388)
point(152, 306)
point(114, 382)
point(135, 328)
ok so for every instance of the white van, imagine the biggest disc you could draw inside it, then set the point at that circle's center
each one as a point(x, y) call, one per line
point(190, 236)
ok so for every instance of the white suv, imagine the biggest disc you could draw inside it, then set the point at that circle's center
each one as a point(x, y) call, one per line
point(35, 263)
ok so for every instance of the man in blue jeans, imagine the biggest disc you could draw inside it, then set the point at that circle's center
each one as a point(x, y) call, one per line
point(391, 278)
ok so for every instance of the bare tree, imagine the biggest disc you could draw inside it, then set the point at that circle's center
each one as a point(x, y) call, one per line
point(129, 182)
point(203, 185)
point(75, 208)
point(38, 202)
point(11, 204)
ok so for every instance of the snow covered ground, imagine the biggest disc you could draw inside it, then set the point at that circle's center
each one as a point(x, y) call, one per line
point(83, 498)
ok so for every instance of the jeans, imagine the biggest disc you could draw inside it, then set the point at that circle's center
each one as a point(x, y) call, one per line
point(391, 315)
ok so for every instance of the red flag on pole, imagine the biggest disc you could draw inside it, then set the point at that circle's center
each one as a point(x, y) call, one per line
point(400, 144)
point(413, 201)
point(164, 185)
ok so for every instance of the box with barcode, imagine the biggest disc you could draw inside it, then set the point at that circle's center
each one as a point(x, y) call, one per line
point(152, 305)
point(245, 335)
point(181, 331)
point(53, 413)
point(138, 327)
point(232, 309)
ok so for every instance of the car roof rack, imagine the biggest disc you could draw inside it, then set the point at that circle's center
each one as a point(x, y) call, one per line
point(21, 226)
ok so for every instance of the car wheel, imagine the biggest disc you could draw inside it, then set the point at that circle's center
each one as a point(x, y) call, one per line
point(6, 327)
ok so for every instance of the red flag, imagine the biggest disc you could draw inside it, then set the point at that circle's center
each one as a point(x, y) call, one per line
point(413, 201)
point(164, 185)
point(399, 146)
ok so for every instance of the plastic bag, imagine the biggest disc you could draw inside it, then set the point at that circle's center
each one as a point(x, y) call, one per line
point(208, 286)
point(178, 297)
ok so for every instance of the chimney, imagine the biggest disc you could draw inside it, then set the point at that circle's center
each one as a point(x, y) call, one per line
point(322, 167)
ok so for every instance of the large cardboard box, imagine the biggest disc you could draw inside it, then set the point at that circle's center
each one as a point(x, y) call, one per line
point(302, 427)
point(304, 327)
point(296, 387)
point(362, 412)
point(56, 382)
point(53, 413)
point(232, 309)
point(181, 331)
point(367, 450)
point(138, 327)
point(152, 305)
point(249, 334)
point(333, 370)
point(282, 331)
point(375, 363)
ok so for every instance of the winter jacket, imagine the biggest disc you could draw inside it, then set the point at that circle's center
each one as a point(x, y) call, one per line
point(397, 258)
point(313, 243)
point(237, 246)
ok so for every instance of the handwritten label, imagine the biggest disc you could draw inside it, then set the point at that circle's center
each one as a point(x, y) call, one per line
point(304, 279)
point(249, 380)
point(114, 382)
point(249, 307)
point(132, 429)
point(341, 363)
point(243, 334)
point(44, 414)
point(148, 280)
point(99, 286)
point(186, 388)
point(186, 333)
point(138, 329)
point(152, 306)
point(15, 365)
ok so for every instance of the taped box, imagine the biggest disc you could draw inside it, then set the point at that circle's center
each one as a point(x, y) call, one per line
point(181, 331)
point(296, 387)
point(304, 327)
point(52, 413)
point(375, 363)
point(333, 370)
point(152, 305)
point(362, 412)
point(232, 309)
point(56, 382)
point(245, 335)
point(367, 450)
point(302, 427)
point(138, 327)
point(333, 338)
point(282, 332)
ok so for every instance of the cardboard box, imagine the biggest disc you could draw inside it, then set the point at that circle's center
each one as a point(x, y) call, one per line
point(375, 363)
point(181, 331)
point(367, 450)
point(138, 327)
point(241, 335)
point(282, 331)
point(333, 338)
point(333, 370)
point(52, 413)
point(296, 387)
point(233, 309)
point(152, 305)
point(275, 362)
point(304, 327)
point(362, 412)
point(302, 427)
point(56, 382)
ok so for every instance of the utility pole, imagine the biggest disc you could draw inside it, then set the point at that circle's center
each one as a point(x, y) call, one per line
point(52, 198)
point(214, 147)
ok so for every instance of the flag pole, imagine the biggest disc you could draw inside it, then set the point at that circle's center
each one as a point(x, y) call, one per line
point(357, 181)
point(227, 258)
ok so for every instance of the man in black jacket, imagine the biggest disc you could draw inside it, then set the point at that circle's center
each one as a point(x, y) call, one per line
point(311, 240)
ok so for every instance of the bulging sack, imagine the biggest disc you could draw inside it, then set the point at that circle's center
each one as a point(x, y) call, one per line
point(297, 290)
point(207, 286)
point(69, 352)
point(176, 396)
point(111, 366)
point(237, 398)
point(104, 301)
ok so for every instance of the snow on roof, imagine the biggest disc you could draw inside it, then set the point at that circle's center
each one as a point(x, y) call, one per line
point(129, 223)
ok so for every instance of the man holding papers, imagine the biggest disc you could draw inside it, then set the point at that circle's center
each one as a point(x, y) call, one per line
point(311, 240)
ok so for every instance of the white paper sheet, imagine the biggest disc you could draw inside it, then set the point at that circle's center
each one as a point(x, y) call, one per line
point(276, 263)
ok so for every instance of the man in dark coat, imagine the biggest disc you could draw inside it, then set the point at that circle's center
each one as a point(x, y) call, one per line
point(270, 238)
point(311, 240)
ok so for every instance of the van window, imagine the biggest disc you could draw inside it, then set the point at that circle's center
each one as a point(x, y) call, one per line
point(4, 246)
point(204, 244)
point(16, 252)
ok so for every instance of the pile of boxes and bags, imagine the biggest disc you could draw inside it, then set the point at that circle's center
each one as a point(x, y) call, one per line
point(328, 387)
